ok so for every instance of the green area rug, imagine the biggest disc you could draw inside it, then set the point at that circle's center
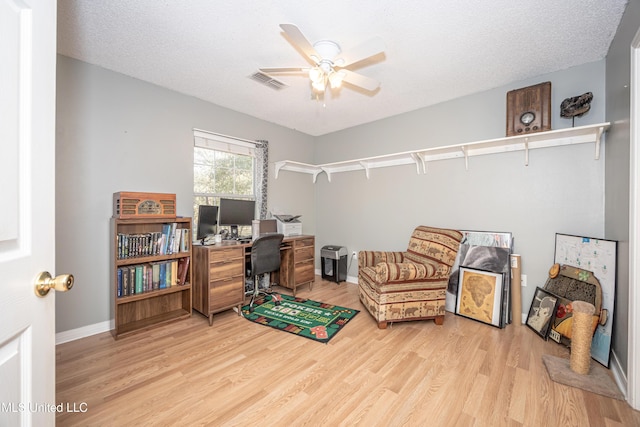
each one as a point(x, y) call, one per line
point(310, 319)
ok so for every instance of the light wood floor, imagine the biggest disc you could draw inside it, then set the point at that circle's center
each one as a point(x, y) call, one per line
point(186, 373)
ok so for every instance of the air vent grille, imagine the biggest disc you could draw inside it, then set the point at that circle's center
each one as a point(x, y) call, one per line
point(267, 80)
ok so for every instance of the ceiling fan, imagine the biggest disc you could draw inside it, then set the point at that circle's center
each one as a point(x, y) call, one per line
point(329, 62)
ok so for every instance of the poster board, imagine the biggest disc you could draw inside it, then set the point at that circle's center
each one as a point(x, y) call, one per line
point(600, 257)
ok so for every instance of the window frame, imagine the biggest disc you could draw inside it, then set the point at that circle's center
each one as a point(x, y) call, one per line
point(223, 143)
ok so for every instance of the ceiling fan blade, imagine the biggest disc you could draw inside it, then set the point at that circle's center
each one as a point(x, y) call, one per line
point(360, 80)
point(360, 52)
point(301, 42)
point(285, 70)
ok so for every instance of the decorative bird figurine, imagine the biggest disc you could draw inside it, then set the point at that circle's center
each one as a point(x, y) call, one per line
point(576, 106)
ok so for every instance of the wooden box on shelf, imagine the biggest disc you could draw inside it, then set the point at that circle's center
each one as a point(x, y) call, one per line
point(151, 272)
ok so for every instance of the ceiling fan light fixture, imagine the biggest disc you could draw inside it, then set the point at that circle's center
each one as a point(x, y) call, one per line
point(319, 85)
point(316, 74)
point(329, 69)
point(335, 79)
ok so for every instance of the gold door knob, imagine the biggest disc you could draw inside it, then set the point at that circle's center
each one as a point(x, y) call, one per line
point(44, 283)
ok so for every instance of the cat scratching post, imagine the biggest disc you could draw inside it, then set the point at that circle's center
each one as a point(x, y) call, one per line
point(578, 371)
point(516, 290)
point(581, 335)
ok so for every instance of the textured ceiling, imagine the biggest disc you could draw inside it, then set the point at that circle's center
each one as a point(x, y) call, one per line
point(434, 50)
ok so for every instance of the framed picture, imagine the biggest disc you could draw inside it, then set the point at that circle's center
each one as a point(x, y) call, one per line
point(542, 311)
point(562, 322)
point(480, 295)
point(486, 250)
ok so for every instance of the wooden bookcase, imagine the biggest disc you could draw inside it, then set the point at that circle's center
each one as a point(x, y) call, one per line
point(153, 303)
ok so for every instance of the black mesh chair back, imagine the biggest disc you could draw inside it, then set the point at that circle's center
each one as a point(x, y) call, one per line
point(265, 258)
point(265, 254)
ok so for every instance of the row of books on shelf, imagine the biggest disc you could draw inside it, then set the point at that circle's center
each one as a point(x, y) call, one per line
point(152, 276)
point(169, 241)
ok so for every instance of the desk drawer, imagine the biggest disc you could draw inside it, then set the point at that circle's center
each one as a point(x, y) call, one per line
point(223, 270)
point(225, 255)
point(226, 292)
point(304, 253)
point(304, 271)
point(308, 241)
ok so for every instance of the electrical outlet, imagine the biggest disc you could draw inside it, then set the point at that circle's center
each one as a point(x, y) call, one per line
point(523, 280)
point(354, 254)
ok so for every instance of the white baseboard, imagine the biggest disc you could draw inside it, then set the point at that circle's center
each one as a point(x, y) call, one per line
point(618, 374)
point(85, 331)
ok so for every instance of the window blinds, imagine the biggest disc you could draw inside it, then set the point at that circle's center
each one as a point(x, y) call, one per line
point(215, 141)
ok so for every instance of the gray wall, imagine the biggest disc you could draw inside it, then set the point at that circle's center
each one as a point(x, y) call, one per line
point(116, 133)
point(617, 169)
point(562, 189)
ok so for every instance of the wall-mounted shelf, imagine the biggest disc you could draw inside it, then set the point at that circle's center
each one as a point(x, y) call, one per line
point(553, 138)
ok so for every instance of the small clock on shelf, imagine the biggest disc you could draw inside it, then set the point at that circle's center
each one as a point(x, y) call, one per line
point(529, 109)
point(527, 118)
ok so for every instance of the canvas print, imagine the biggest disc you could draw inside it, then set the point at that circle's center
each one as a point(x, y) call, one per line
point(480, 295)
point(562, 321)
point(485, 250)
point(598, 256)
point(543, 308)
point(470, 239)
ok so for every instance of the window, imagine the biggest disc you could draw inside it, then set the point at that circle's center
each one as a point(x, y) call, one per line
point(222, 167)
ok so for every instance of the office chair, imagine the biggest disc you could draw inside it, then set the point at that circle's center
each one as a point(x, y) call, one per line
point(265, 258)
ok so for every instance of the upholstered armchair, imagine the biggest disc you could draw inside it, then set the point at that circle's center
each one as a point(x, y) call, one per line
point(410, 285)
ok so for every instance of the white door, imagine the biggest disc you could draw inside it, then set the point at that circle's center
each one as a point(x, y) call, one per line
point(27, 187)
point(633, 366)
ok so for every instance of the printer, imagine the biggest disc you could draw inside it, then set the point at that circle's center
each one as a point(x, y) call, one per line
point(289, 225)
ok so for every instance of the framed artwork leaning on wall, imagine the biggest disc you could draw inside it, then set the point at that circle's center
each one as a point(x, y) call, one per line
point(480, 295)
point(542, 311)
point(484, 250)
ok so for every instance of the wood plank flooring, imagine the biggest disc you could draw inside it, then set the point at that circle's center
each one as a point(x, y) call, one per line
point(236, 373)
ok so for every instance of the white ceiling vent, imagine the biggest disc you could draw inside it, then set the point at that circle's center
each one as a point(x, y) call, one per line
point(267, 80)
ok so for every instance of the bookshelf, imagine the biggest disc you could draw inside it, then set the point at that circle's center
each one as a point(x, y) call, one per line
point(151, 272)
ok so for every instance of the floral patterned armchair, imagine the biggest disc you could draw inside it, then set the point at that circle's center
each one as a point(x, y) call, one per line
point(410, 285)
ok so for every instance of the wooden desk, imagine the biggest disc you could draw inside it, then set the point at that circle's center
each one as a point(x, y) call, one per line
point(219, 272)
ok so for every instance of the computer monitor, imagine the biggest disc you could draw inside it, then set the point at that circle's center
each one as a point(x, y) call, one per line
point(207, 221)
point(236, 213)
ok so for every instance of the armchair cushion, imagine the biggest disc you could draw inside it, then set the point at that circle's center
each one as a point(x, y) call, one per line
point(371, 258)
point(403, 271)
